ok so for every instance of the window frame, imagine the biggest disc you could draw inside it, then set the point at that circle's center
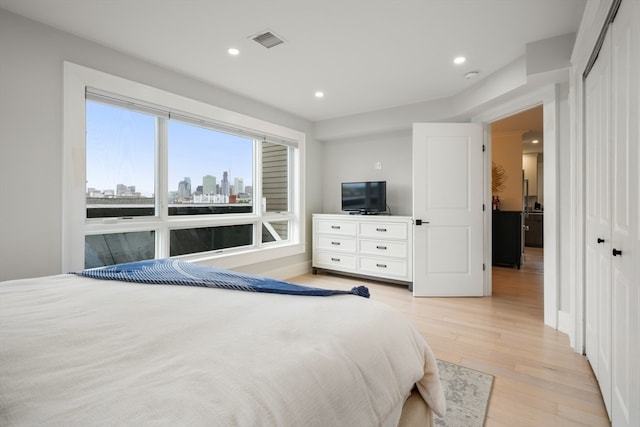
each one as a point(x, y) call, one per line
point(75, 224)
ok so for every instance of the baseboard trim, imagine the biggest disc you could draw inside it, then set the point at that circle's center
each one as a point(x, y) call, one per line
point(289, 271)
point(565, 324)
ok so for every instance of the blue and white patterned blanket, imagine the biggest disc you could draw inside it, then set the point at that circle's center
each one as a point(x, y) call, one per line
point(175, 272)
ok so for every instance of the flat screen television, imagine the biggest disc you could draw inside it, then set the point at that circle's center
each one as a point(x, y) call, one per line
point(366, 197)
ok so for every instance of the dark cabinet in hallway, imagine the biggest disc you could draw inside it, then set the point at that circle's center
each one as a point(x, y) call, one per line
point(507, 238)
point(533, 235)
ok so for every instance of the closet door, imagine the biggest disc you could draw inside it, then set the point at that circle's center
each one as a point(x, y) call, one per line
point(612, 234)
point(598, 220)
point(625, 257)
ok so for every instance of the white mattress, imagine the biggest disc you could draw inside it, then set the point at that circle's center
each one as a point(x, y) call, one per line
point(76, 351)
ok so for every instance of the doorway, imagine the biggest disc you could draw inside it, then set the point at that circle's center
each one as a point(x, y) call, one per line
point(517, 159)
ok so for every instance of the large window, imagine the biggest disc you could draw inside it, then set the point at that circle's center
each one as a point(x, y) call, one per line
point(210, 171)
point(120, 161)
point(163, 180)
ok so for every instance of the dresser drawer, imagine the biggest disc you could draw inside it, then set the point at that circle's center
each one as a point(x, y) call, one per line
point(336, 243)
point(343, 228)
point(336, 260)
point(384, 248)
point(384, 267)
point(384, 230)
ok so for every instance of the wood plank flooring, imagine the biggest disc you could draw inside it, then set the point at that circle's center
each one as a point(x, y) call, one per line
point(539, 380)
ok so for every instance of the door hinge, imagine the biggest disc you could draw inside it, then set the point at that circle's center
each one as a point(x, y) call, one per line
point(483, 207)
point(484, 267)
point(483, 148)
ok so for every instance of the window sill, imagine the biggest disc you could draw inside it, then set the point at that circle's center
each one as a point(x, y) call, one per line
point(233, 258)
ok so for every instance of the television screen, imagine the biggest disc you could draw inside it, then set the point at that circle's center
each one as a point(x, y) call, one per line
point(364, 197)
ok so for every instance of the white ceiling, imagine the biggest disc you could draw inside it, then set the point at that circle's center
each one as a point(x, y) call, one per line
point(364, 54)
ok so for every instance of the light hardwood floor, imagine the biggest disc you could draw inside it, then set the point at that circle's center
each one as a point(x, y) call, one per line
point(539, 380)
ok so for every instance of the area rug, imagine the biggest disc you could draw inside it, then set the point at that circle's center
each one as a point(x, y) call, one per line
point(467, 394)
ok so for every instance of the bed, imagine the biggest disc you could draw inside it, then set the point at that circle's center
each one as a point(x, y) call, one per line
point(80, 351)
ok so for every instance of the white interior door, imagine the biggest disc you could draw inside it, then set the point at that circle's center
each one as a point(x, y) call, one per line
point(625, 281)
point(448, 200)
point(598, 221)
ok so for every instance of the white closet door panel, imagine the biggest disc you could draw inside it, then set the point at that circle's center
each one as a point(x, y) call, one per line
point(598, 220)
point(591, 307)
point(604, 326)
point(625, 282)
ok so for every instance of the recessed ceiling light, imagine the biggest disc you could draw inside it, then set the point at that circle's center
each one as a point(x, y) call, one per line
point(233, 51)
point(319, 94)
point(459, 60)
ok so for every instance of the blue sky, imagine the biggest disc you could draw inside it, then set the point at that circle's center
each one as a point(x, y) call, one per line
point(121, 147)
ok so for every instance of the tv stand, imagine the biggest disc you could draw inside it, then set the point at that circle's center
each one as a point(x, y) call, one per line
point(377, 247)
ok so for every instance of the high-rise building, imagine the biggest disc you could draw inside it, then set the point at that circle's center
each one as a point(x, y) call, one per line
point(208, 184)
point(184, 188)
point(238, 185)
point(225, 190)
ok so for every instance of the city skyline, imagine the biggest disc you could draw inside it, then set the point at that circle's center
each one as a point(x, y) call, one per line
point(126, 189)
point(121, 149)
point(130, 188)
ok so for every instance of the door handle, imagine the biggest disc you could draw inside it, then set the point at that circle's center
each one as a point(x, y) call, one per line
point(616, 252)
point(600, 240)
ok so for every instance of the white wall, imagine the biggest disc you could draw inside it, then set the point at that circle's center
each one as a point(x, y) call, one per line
point(31, 83)
point(563, 201)
point(354, 159)
point(506, 151)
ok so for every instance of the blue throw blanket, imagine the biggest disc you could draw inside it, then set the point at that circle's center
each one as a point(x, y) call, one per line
point(175, 272)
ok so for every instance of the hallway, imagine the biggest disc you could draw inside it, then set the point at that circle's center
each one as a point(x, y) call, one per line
point(524, 287)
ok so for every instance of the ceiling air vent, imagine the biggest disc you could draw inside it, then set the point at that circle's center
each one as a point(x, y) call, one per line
point(267, 39)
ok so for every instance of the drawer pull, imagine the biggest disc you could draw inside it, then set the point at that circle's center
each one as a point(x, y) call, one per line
point(384, 248)
point(335, 243)
point(335, 227)
point(382, 230)
point(381, 265)
point(335, 259)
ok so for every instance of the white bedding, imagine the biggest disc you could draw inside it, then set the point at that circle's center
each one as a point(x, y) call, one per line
point(76, 351)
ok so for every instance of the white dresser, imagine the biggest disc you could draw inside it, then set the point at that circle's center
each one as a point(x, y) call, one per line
point(378, 246)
